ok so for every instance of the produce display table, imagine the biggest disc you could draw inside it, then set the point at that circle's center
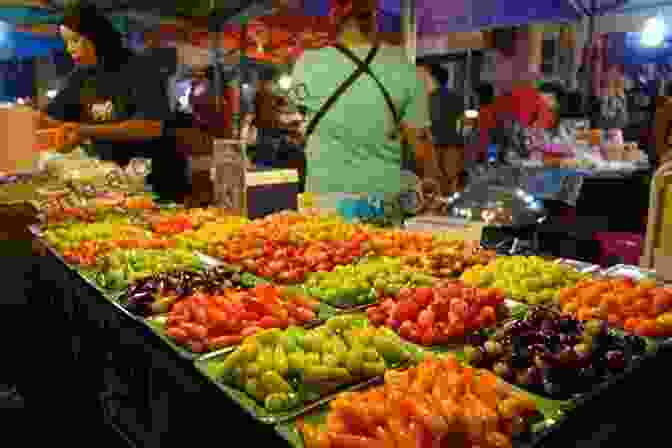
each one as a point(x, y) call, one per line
point(107, 367)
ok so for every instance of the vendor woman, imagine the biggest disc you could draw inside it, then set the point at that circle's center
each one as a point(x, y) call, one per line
point(353, 138)
point(122, 113)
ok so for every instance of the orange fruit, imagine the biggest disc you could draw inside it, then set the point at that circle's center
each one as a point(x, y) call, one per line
point(631, 324)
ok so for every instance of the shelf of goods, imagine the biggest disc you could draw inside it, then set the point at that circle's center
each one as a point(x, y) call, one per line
point(306, 330)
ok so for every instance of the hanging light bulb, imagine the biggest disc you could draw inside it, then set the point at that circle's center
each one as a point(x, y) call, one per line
point(653, 34)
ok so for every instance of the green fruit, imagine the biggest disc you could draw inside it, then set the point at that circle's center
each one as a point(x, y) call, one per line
point(355, 361)
point(253, 389)
point(389, 348)
point(296, 362)
point(277, 402)
point(280, 362)
point(265, 359)
point(274, 383)
point(373, 369)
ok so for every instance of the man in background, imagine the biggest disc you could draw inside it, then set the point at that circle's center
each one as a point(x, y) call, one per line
point(446, 107)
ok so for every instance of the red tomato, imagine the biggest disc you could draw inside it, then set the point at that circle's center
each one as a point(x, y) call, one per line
point(459, 307)
point(224, 341)
point(251, 330)
point(270, 322)
point(195, 331)
point(426, 318)
point(304, 315)
point(407, 329)
point(488, 316)
point(178, 334)
point(408, 310)
point(424, 296)
point(427, 336)
point(216, 316)
point(249, 316)
point(405, 294)
point(197, 346)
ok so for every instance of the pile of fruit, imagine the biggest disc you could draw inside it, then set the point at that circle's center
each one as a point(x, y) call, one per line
point(532, 280)
point(118, 268)
point(438, 403)
point(156, 294)
point(307, 228)
point(451, 258)
point(642, 308)
point(365, 282)
point(396, 243)
point(211, 232)
point(285, 262)
point(282, 369)
point(205, 323)
point(435, 316)
point(555, 355)
point(172, 225)
point(70, 237)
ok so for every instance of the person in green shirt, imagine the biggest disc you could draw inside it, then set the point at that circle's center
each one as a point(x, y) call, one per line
point(356, 148)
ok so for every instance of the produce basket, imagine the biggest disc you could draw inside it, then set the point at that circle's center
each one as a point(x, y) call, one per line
point(295, 382)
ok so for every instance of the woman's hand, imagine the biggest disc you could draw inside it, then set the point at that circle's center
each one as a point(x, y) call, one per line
point(72, 137)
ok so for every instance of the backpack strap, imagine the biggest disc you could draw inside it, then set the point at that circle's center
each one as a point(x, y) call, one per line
point(361, 69)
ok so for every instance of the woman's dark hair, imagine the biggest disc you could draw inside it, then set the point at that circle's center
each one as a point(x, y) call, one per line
point(439, 74)
point(486, 93)
point(84, 18)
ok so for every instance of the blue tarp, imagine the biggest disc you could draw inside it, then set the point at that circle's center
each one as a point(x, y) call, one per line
point(25, 45)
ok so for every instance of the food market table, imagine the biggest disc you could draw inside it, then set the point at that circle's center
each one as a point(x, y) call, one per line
point(107, 366)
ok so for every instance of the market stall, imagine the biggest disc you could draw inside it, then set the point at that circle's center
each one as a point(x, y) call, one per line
point(117, 335)
point(177, 325)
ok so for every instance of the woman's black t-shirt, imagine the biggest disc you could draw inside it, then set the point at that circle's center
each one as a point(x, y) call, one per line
point(92, 95)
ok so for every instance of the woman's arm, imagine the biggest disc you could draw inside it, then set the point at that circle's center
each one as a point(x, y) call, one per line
point(130, 130)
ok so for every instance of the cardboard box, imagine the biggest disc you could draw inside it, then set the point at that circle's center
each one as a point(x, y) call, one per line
point(17, 140)
point(253, 194)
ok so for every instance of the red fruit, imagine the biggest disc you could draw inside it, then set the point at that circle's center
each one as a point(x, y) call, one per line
point(251, 330)
point(450, 291)
point(407, 329)
point(224, 341)
point(407, 310)
point(393, 323)
point(424, 296)
point(427, 336)
point(488, 316)
point(426, 319)
point(249, 316)
point(459, 307)
point(388, 305)
point(270, 322)
point(197, 346)
point(405, 293)
point(441, 335)
point(304, 315)
point(178, 334)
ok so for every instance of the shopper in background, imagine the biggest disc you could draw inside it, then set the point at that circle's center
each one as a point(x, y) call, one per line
point(104, 102)
point(446, 108)
point(356, 145)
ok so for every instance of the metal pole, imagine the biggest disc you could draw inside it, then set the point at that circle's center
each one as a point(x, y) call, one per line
point(589, 63)
point(216, 29)
point(409, 27)
point(243, 73)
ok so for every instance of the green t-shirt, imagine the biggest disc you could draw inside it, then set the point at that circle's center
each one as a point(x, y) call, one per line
point(352, 149)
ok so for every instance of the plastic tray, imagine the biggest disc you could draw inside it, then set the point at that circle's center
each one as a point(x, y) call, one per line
point(552, 412)
point(316, 399)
